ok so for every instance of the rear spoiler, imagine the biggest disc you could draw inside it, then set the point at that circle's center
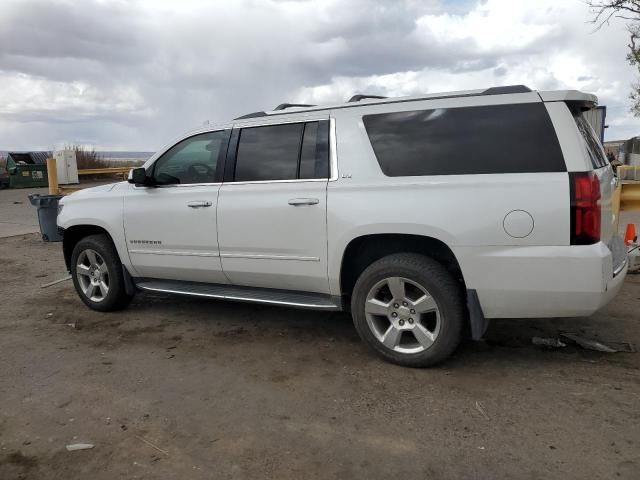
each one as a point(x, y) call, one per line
point(584, 101)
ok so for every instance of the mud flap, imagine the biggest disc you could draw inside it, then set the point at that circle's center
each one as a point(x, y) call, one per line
point(477, 321)
point(129, 286)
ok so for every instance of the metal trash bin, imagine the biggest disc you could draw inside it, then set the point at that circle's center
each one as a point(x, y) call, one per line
point(47, 214)
point(27, 169)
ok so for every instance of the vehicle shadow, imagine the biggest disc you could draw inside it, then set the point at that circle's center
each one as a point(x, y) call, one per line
point(506, 340)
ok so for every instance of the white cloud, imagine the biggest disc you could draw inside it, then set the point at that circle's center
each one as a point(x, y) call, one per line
point(134, 74)
point(28, 97)
point(545, 45)
point(497, 25)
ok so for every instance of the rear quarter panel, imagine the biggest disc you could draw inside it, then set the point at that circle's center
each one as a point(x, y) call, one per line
point(463, 211)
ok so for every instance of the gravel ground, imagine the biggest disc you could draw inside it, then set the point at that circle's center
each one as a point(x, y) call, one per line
point(181, 388)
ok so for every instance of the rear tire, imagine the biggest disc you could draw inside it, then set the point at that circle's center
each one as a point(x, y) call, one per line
point(409, 310)
point(97, 275)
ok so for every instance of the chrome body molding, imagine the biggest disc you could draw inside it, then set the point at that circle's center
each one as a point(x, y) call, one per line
point(269, 257)
point(174, 252)
point(621, 267)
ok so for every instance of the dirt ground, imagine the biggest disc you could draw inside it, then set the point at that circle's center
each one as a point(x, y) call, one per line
point(181, 388)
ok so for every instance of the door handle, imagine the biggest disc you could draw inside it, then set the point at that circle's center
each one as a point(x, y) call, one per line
point(199, 204)
point(296, 202)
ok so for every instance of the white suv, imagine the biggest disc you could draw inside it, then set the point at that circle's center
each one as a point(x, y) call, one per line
point(424, 216)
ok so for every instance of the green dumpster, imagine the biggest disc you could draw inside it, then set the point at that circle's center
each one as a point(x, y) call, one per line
point(27, 169)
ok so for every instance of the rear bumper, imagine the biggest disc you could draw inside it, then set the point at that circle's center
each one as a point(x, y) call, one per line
point(542, 281)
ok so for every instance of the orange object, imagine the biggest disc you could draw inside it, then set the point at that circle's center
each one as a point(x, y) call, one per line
point(630, 234)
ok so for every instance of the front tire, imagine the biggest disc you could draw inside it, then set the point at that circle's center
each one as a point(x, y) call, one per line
point(97, 274)
point(409, 310)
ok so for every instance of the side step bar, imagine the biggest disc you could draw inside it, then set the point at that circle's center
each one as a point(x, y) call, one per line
point(314, 301)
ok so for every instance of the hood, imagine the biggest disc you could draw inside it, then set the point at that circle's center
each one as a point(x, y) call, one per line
point(91, 191)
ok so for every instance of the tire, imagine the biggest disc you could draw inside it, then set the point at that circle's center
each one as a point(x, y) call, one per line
point(417, 333)
point(101, 287)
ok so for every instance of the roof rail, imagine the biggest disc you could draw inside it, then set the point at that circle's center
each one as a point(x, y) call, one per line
point(251, 115)
point(282, 106)
point(357, 98)
point(506, 89)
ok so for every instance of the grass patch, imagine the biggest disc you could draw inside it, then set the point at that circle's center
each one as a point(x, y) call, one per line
point(88, 157)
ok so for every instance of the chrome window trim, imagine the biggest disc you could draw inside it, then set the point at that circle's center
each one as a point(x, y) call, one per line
point(333, 158)
point(187, 185)
point(268, 121)
point(252, 182)
point(333, 161)
point(214, 184)
point(182, 185)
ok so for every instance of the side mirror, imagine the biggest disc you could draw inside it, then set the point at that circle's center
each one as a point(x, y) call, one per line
point(138, 176)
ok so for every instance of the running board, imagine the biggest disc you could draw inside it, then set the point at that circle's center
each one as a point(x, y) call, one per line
point(315, 301)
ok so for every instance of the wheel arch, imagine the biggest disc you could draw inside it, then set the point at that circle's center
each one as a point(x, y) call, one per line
point(363, 250)
point(72, 235)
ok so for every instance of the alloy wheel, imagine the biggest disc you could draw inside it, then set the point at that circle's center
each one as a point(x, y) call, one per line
point(93, 275)
point(402, 315)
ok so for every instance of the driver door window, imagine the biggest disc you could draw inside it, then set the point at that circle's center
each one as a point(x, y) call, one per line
point(193, 160)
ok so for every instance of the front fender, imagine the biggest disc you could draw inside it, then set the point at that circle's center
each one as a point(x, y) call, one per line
point(104, 211)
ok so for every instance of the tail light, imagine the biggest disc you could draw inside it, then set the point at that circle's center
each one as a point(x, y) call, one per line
point(585, 208)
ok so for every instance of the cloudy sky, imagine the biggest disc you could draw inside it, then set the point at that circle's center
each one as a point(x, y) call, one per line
point(131, 75)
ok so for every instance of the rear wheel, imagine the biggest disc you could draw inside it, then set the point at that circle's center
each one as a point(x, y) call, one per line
point(409, 309)
point(97, 274)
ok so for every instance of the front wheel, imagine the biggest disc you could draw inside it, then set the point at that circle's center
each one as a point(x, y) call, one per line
point(97, 274)
point(409, 309)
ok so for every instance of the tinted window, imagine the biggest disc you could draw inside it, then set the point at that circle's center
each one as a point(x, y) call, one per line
point(268, 153)
point(283, 152)
point(470, 140)
point(322, 150)
point(591, 141)
point(194, 160)
point(308, 151)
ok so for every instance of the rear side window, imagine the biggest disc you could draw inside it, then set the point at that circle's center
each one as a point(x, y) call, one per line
point(308, 151)
point(268, 153)
point(470, 140)
point(283, 152)
point(591, 142)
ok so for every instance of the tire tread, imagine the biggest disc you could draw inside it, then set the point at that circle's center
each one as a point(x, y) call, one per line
point(117, 298)
point(446, 290)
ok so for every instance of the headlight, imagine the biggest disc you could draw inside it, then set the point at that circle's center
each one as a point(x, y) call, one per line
point(60, 207)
